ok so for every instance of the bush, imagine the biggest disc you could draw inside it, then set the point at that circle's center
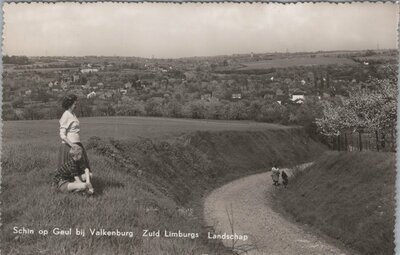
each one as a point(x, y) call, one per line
point(154, 106)
point(33, 113)
point(9, 114)
point(195, 109)
point(18, 103)
point(272, 113)
point(173, 109)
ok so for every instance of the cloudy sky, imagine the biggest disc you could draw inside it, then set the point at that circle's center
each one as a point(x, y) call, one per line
point(181, 30)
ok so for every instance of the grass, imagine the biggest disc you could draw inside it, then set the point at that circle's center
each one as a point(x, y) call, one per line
point(348, 196)
point(141, 182)
point(46, 131)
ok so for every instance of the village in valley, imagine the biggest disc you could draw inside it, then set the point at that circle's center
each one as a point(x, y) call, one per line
point(268, 87)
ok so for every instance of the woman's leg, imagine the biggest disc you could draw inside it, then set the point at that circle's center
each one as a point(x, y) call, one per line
point(84, 157)
point(77, 186)
point(88, 182)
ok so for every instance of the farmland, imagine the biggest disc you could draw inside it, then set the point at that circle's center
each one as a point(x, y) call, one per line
point(229, 87)
point(297, 61)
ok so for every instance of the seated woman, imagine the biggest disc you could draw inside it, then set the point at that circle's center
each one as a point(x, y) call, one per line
point(69, 175)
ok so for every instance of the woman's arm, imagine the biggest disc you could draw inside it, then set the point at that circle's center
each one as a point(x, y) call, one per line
point(65, 122)
point(67, 141)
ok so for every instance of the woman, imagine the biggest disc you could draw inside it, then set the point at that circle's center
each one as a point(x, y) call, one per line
point(275, 174)
point(69, 134)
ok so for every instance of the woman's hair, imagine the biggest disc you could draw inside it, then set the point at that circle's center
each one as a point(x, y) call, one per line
point(68, 101)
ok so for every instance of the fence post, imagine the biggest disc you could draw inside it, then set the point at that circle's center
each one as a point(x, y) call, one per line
point(383, 138)
point(377, 139)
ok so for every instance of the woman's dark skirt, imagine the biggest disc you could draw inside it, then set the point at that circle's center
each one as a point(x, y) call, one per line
point(64, 156)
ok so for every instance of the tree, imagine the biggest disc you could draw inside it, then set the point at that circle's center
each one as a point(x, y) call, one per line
point(154, 106)
point(215, 109)
point(195, 109)
point(272, 112)
point(173, 109)
point(331, 123)
point(236, 111)
point(32, 113)
point(84, 109)
point(18, 60)
point(306, 115)
point(18, 103)
point(372, 109)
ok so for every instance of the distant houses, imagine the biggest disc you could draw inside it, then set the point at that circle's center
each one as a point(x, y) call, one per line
point(237, 96)
point(85, 86)
point(206, 96)
point(91, 95)
point(128, 85)
point(75, 77)
point(89, 70)
point(64, 86)
point(28, 92)
point(297, 98)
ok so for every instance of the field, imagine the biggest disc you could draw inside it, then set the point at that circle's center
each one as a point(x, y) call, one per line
point(350, 197)
point(44, 69)
point(150, 173)
point(296, 61)
point(46, 131)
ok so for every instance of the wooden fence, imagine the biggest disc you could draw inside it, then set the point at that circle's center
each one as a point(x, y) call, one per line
point(364, 141)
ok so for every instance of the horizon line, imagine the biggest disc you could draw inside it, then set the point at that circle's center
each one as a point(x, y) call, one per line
point(204, 56)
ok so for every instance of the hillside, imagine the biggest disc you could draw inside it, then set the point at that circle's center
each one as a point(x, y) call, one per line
point(142, 183)
point(350, 197)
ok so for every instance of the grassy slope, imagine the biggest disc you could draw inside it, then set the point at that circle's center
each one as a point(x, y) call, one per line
point(350, 197)
point(140, 183)
point(46, 131)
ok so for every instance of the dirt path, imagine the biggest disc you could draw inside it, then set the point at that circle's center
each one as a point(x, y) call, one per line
point(249, 199)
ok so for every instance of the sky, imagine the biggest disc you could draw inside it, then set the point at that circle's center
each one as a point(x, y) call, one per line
point(184, 30)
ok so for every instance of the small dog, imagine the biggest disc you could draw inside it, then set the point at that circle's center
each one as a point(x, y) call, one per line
point(285, 179)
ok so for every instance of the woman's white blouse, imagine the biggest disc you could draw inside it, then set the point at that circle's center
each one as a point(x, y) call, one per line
point(69, 127)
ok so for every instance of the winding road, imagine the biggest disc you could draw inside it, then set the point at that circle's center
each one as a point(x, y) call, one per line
point(248, 201)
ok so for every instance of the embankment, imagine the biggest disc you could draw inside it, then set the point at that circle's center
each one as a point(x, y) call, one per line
point(197, 162)
point(141, 184)
point(350, 197)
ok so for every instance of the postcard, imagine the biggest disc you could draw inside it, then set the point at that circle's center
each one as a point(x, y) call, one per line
point(199, 128)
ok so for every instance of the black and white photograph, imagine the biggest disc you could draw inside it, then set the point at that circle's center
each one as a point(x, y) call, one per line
point(199, 128)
